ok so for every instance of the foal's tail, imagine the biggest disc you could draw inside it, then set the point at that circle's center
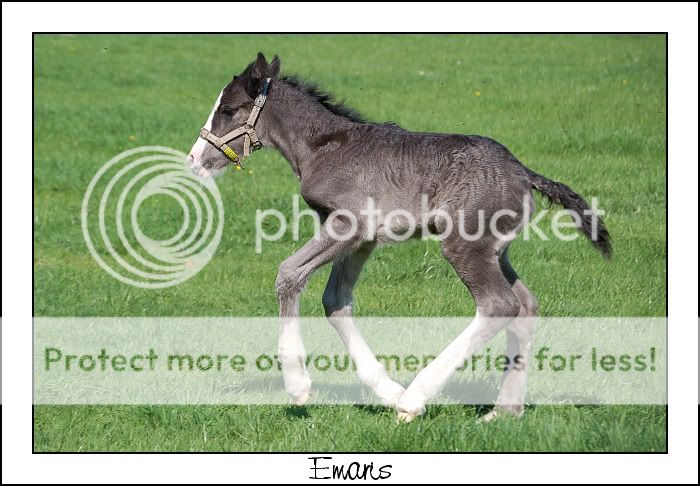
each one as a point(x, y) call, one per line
point(592, 226)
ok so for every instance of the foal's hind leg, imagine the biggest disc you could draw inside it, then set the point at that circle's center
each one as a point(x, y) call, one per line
point(511, 398)
point(338, 302)
point(496, 305)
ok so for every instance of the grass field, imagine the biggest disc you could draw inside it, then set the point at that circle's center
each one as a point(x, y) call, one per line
point(586, 110)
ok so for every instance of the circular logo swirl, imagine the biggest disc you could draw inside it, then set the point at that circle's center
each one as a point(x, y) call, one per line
point(110, 214)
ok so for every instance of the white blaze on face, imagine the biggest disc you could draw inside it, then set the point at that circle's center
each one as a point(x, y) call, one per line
point(195, 157)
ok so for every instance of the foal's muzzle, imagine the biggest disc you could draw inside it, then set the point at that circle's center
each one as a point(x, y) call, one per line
point(221, 144)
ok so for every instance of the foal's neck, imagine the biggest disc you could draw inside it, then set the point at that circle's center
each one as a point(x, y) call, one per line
point(293, 123)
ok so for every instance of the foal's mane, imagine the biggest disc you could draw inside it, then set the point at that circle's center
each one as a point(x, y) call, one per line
point(325, 98)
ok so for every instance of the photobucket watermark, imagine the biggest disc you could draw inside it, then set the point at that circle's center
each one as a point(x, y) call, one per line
point(124, 246)
point(120, 242)
point(371, 222)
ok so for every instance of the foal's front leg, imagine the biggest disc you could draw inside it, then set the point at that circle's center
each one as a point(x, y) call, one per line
point(293, 275)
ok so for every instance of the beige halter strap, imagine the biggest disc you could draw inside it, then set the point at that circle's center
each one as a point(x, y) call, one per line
point(248, 130)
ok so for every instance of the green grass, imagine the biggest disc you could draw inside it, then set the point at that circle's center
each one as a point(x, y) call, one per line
point(347, 428)
point(586, 110)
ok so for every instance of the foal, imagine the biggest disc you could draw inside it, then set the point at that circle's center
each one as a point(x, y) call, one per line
point(343, 161)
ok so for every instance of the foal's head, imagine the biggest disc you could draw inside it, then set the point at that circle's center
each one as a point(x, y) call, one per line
point(231, 110)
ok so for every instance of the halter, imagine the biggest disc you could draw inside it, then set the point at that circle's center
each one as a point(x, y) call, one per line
point(251, 139)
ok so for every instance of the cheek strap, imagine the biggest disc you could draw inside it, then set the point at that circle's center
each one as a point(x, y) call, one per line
point(248, 130)
point(220, 143)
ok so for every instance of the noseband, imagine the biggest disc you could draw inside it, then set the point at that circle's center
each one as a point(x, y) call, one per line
point(248, 130)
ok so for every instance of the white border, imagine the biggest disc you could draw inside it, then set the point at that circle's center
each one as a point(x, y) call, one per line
point(19, 20)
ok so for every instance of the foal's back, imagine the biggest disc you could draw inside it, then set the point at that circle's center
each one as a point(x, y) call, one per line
point(396, 167)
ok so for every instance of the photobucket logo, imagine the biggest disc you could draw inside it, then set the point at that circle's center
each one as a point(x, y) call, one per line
point(110, 218)
point(398, 224)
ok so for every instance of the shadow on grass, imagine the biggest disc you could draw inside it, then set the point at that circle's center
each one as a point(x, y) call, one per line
point(296, 411)
point(432, 411)
point(372, 409)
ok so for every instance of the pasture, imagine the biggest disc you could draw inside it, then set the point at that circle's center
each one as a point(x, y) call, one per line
point(589, 111)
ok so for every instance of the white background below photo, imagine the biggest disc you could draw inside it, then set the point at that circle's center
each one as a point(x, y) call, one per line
point(19, 465)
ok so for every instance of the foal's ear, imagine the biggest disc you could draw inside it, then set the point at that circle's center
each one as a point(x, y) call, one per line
point(273, 69)
point(260, 67)
point(257, 71)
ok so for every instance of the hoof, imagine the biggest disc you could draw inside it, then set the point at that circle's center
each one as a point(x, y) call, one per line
point(489, 417)
point(409, 407)
point(405, 417)
point(302, 399)
point(499, 413)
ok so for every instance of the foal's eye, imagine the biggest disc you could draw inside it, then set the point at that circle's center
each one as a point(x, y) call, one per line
point(228, 111)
